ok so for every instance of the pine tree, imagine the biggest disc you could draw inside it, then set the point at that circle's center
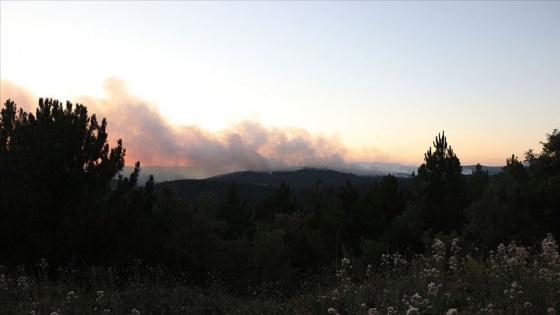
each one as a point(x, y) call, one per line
point(236, 213)
point(439, 188)
point(544, 171)
point(56, 170)
point(477, 182)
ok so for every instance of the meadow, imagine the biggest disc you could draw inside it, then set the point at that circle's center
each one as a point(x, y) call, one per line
point(510, 279)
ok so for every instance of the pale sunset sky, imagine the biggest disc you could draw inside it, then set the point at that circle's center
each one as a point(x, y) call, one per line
point(276, 83)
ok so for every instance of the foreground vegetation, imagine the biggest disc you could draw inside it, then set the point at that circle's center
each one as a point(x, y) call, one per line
point(511, 279)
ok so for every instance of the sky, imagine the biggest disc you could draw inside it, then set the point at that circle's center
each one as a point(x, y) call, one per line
point(228, 86)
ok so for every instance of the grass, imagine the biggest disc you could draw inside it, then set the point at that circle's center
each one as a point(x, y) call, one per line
point(511, 280)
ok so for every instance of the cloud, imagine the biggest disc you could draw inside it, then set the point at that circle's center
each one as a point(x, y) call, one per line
point(246, 145)
point(23, 98)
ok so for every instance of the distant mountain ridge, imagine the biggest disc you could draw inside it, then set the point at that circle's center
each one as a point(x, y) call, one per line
point(356, 171)
point(299, 179)
point(253, 186)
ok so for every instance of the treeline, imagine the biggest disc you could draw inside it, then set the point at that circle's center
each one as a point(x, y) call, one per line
point(58, 203)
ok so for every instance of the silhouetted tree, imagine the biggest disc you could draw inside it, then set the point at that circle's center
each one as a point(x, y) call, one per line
point(327, 213)
point(502, 213)
point(56, 170)
point(477, 182)
point(391, 197)
point(544, 172)
point(515, 169)
point(439, 188)
point(279, 201)
point(351, 228)
point(235, 212)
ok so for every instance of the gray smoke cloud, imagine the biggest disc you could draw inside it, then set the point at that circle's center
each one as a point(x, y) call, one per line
point(152, 140)
point(20, 95)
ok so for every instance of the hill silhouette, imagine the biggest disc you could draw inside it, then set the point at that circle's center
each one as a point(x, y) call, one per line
point(254, 186)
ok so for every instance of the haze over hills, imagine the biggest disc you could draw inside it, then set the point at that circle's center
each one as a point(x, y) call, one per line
point(301, 179)
point(170, 173)
point(357, 170)
point(253, 186)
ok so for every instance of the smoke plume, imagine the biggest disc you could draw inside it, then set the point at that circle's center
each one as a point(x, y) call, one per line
point(150, 139)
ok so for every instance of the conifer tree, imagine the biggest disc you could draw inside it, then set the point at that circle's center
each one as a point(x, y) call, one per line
point(544, 171)
point(236, 213)
point(439, 188)
point(477, 182)
point(56, 169)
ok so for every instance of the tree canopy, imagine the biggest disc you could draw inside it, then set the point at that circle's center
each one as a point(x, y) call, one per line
point(440, 188)
point(56, 171)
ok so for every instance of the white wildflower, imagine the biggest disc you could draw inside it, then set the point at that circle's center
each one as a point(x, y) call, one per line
point(412, 311)
point(438, 250)
point(71, 296)
point(512, 262)
point(23, 282)
point(369, 271)
point(432, 289)
point(99, 296)
point(416, 299)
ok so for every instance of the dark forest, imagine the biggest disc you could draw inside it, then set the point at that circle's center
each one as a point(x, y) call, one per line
point(70, 220)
